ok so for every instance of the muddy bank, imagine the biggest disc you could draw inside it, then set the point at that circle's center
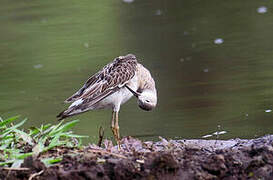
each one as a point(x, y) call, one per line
point(173, 159)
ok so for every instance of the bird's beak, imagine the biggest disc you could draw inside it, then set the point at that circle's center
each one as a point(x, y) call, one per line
point(136, 94)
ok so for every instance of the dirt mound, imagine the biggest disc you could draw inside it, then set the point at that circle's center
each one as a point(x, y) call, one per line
point(181, 159)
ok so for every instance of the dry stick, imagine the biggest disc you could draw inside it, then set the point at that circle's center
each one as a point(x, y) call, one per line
point(217, 134)
point(16, 169)
point(106, 152)
point(35, 174)
point(101, 134)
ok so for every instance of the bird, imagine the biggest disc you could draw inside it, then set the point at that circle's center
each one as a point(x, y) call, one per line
point(111, 87)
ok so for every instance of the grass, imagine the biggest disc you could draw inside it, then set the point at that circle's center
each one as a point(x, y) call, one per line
point(16, 144)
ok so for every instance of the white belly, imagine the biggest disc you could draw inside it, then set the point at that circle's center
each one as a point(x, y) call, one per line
point(115, 100)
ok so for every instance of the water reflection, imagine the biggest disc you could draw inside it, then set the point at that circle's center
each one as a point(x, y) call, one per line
point(128, 1)
point(218, 41)
point(158, 12)
point(262, 10)
point(212, 62)
point(38, 66)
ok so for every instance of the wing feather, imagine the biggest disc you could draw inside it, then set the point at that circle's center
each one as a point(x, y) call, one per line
point(107, 81)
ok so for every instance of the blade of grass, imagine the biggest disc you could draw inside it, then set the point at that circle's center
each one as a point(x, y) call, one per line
point(6, 162)
point(33, 131)
point(64, 127)
point(68, 125)
point(24, 155)
point(8, 130)
point(9, 120)
point(50, 161)
point(53, 130)
point(47, 137)
point(55, 140)
point(74, 136)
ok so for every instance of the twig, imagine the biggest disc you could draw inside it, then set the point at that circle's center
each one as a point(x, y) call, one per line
point(101, 134)
point(35, 174)
point(16, 169)
point(106, 152)
point(217, 134)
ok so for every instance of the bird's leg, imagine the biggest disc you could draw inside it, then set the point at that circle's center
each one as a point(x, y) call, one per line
point(115, 127)
point(113, 124)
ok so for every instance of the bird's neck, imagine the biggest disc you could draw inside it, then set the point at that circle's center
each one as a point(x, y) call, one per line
point(145, 80)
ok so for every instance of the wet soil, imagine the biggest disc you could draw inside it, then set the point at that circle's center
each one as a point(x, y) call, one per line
point(166, 159)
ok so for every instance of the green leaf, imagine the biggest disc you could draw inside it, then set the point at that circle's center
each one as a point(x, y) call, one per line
point(24, 155)
point(8, 130)
point(7, 137)
point(68, 125)
point(12, 139)
point(53, 129)
point(62, 128)
point(40, 131)
point(54, 145)
point(75, 136)
point(6, 162)
point(55, 141)
point(7, 121)
point(51, 161)
point(33, 131)
point(44, 127)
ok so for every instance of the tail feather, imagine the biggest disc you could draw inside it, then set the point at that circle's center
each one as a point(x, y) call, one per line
point(70, 112)
point(62, 115)
point(66, 113)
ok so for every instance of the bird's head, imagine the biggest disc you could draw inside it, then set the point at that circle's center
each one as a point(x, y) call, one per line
point(147, 100)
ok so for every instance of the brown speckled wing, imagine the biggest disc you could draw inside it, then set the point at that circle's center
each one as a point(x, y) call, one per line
point(107, 81)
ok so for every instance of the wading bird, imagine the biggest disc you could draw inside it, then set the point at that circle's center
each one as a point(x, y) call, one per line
point(112, 86)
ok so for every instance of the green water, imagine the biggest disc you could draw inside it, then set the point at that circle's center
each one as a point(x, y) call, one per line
point(49, 48)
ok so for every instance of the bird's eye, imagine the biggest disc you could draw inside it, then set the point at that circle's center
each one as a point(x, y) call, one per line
point(147, 101)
